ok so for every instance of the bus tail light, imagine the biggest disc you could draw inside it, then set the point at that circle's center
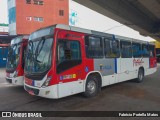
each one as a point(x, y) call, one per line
point(47, 81)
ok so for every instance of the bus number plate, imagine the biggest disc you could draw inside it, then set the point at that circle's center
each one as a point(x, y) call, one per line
point(31, 92)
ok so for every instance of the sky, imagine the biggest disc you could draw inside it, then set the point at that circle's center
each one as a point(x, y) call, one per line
point(86, 18)
point(3, 12)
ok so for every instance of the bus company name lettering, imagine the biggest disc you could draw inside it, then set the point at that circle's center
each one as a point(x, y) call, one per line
point(138, 62)
point(73, 36)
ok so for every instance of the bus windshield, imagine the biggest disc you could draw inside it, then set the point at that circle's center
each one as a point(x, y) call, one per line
point(38, 57)
point(13, 56)
point(39, 51)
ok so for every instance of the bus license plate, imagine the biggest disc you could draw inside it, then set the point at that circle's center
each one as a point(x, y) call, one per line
point(31, 92)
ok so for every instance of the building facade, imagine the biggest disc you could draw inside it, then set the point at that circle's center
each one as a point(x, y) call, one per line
point(26, 16)
point(3, 29)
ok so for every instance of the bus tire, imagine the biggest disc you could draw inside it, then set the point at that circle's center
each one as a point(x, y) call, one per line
point(140, 77)
point(91, 87)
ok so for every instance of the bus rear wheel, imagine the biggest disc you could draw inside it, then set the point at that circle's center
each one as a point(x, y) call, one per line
point(92, 87)
point(140, 76)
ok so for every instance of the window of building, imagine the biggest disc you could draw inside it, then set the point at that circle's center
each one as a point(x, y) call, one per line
point(28, 1)
point(145, 50)
point(69, 55)
point(38, 2)
point(94, 48)
point(35, 18)
point(136, 48)
point(61, 12)
point(38, 19)
point(29, 18)
point(126, 49)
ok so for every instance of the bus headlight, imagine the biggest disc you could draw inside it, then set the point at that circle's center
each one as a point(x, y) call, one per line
point(46, 83)
point(15, 74)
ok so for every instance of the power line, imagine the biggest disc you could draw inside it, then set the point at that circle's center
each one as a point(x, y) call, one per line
point(113, 28)
point(126, 24)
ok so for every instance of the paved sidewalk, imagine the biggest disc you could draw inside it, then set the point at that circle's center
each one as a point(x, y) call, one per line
point(2, 75)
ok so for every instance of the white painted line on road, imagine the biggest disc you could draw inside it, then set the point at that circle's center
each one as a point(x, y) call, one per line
point(5, 85)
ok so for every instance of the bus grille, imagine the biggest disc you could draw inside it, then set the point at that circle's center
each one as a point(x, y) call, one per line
point(9, 80)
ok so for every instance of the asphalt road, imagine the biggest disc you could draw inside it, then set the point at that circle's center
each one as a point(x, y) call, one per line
point(126, 96)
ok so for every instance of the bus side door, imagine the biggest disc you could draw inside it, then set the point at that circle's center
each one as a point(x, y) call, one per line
point(70, 66)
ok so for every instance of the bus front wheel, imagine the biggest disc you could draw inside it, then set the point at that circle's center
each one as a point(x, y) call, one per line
point(92, 87)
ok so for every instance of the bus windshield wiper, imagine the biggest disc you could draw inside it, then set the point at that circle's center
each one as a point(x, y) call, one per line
point(35, 53)
point(39, 50)
point(30, 51)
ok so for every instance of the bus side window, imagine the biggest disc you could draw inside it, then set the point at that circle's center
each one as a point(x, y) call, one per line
point(126, 49)
point(145, 50)
point(68, 55)
point(111, 48)
point(93, 46)
point(136, 49)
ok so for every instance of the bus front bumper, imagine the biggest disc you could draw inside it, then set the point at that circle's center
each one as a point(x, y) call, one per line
point(16, 81)
point(47, 92)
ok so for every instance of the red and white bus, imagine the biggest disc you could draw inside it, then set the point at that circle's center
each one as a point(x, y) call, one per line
point(63, 60)
point(15, 60)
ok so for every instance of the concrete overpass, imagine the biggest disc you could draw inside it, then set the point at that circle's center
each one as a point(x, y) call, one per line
point(141, 15)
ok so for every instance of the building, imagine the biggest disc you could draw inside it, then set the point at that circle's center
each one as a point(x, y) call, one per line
point(26, 16)
point(3, 29)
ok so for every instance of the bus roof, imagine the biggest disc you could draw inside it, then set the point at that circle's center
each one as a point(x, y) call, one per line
point(82, 30)
point(77, 29)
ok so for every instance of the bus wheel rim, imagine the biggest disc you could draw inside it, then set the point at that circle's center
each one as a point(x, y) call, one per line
point(91, 86)
point(140, 76)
